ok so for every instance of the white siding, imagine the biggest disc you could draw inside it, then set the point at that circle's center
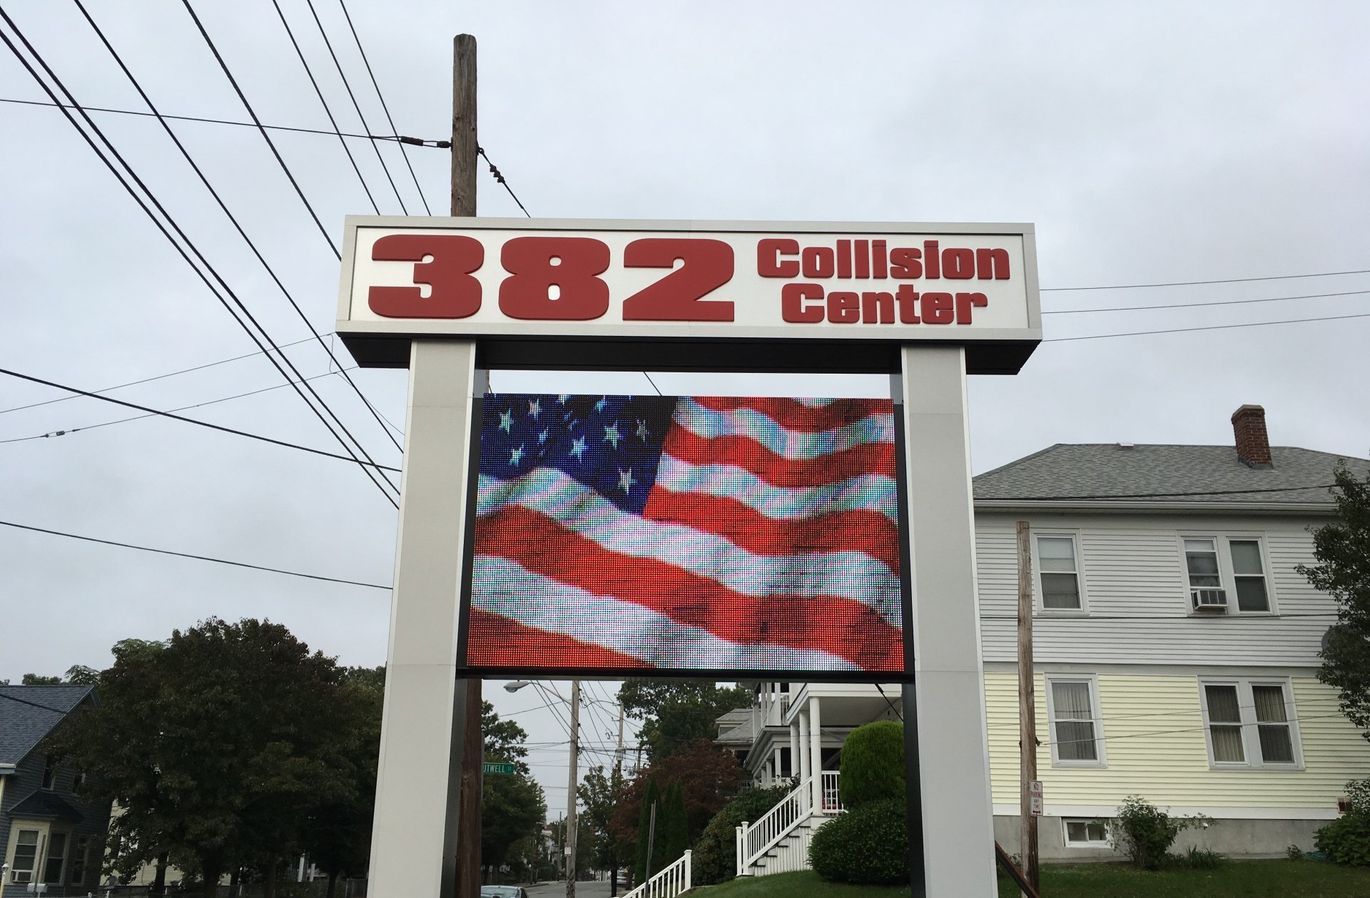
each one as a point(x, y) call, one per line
point(1137, 597)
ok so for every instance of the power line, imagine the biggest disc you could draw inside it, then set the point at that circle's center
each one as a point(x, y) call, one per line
point(218, 427)
point(347, 85)
point(1198, 305)
point(210, 558)
point(1269, 277)
point(184, 251)
point(261, 130)
point(64, 431)
point(134, 383)
point(499, 178)
point(406, 141)
point(385, 107)
point(1210, 327)
point(327, 111)
point(256, 252)
point(24, 701)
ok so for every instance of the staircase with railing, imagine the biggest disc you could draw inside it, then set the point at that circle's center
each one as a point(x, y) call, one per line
point(779, 841)
point(668, 883)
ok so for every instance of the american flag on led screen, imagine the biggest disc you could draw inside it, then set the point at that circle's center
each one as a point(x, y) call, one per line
point(685, 534)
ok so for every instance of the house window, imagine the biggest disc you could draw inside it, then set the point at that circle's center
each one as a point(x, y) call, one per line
point(1058, 572)
point(1084, 833)
point(79, 859)
point(49, 772)
point(1250, 724)
point(57, 856)
point(25, 855)
point(1072, 707)
point(1226, 573)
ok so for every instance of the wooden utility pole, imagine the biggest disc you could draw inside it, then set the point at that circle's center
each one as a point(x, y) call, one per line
point(1027, 710)
point(464, 152)
point(572, 827)
point(616, 785)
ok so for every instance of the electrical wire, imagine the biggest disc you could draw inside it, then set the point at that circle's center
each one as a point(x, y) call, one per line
point(219, 427)
point(255, 251)
point(1269, 277)
point(1200, 305)
point(145, 380)
point(184, 251)
point(499, 178)
point(210, 558)
point(309, 72)
point(64, 431)
point(385, 107)
point(258, 122)
point(24, 701)
point(347, 85)
point(403, 140)
point(1209, 327)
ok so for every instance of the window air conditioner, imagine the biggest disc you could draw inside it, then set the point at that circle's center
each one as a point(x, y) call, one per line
point(1209, 600)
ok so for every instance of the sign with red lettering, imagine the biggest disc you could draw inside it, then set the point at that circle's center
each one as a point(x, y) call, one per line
point(578, 287)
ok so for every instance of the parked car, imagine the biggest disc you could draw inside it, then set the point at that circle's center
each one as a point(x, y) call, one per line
point(503, 892)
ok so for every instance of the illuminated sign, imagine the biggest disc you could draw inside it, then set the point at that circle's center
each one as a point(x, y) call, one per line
point(526, 288)
point(686, 535)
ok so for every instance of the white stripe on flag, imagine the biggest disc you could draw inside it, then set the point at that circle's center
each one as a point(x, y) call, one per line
point(506, 588)
point(870, 492)
point(554, 494)
point(793, 444)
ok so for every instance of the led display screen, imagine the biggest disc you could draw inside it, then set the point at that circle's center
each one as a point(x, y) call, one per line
point(685, 535)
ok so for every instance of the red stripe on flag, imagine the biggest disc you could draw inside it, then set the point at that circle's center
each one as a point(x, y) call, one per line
point(497, 641)
point(843, 531)
point(750, 455)
point(795, 415)
point(838, 626)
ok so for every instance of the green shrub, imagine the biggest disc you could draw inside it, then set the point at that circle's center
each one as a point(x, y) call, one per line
point(873, 763)
point(1346, 840)
point(1145, 834)
point(715, 854)
point(1201, 858)
point(868, 845)
point(1294, 852)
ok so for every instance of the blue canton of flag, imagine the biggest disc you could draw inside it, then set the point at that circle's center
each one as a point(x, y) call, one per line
point(611, 444)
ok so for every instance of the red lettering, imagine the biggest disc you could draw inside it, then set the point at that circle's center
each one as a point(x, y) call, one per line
point(443, 262)
point(877, 307)
point(844, 258)
point(908, 300)
point(904, 264)
point(792, 307)
point(768, 262)
point(958, 264)
point(566, 266)
point(863, 258)
point(964, 303)
point(930, 257)
point(937, 308)
point(995, 259)
point(818, 262)
point(879, 258)
point(706, 265)
point(844, 307)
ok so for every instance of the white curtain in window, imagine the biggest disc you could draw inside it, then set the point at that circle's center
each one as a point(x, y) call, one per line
point(1277, 746)
point(1223, 708)
point(1074, 722)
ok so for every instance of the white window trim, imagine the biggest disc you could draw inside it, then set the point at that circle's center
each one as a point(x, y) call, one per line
point(1223, 539)
point(1105, 845)
point(38, 855)
point(1246, 704)
point(1037, 594)
point(1096, 717)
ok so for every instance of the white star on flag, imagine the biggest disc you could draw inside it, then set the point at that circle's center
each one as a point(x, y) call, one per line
point(625, 479)
point(611, 434)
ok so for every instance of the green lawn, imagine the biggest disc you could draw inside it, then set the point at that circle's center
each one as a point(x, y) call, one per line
point(1234, 879)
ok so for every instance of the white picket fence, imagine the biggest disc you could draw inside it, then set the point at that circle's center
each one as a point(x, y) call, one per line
point(779, 841)
point(667, 883)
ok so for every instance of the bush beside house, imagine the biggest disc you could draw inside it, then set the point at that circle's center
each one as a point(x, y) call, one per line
point(869, 843)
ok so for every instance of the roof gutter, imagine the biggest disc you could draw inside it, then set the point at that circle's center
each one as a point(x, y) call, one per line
point(1131, 506)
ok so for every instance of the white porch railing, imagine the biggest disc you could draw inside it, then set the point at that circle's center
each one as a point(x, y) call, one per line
point(667, 883)
point(756, 840)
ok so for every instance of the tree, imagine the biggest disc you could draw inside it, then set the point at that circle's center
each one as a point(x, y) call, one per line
point(647, 859)
point(216, 745)
point(599, 796)
point(1342, 549)
point(513, 807)
point(676, 714)
point(32, 679)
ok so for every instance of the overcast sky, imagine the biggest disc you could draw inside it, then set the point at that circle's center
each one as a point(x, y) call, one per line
point(1147, 142)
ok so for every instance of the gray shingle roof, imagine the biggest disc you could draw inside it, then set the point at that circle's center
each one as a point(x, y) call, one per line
point(45, 805)
point(1094, 470)
point(28, 713)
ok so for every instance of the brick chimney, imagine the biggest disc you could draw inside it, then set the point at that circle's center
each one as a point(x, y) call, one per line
point(1253, 444)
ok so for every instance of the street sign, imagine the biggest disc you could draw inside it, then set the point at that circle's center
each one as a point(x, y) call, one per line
point(1035, 798)
point(502, 768)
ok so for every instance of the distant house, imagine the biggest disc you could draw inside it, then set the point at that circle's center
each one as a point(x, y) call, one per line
point(1176, 653)
point(49, 836)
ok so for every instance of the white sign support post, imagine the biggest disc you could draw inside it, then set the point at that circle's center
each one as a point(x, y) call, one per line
point(414, 832)
point(953, 757)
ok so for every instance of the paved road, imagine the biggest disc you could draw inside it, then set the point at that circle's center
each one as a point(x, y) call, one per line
point(583, 890)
